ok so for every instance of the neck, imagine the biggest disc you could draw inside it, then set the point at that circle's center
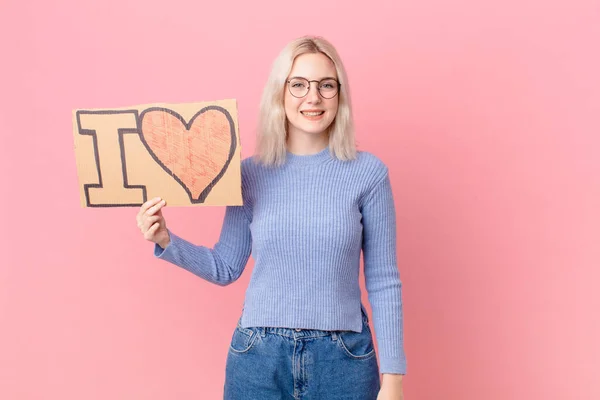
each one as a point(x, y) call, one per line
point(305, 144)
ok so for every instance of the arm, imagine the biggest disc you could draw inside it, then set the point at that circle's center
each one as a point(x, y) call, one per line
point(391, 387)
point(382, 277)
point(222, 264)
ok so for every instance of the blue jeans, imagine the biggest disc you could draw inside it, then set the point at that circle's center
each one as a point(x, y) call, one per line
point(281, 363)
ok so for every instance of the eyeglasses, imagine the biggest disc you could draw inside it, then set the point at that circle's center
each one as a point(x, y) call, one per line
point(299, 87)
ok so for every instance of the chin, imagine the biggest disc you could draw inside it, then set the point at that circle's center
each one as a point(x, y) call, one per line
point(314, 132)
point(310, 128)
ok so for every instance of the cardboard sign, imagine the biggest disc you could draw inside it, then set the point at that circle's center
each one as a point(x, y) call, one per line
point(187, 154)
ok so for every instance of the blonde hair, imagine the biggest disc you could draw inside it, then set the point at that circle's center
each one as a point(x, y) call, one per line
point(272, 121)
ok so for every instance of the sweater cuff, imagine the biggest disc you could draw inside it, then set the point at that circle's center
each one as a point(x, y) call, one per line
point(393, 365)
point(168, 252)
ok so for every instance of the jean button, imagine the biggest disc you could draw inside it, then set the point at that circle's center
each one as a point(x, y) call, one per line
point(298, 329)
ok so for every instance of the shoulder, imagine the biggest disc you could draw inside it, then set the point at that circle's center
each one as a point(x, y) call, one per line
point(371, 165)
point(252, 171)
point(248, 162)
point(373, 173)
point(249, 165)
point(370, 159)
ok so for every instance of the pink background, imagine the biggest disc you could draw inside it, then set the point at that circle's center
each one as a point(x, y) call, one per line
point(487, 115)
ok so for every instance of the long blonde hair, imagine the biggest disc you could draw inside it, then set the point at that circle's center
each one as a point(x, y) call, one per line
point(272, 121)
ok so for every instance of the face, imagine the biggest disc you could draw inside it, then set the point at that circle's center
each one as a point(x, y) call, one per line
point(311, 114)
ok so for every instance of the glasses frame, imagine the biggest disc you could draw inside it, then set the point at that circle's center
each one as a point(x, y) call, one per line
point(288, 81)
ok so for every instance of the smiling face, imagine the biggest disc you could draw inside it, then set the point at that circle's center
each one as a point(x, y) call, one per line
point(311, 114)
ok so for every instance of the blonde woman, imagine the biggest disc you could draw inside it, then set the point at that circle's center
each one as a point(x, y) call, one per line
point(312, 203)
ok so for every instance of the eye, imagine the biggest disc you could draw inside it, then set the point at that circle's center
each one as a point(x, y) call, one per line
point(329, 85)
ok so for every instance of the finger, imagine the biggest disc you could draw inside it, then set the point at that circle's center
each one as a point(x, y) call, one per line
point(149, 204)
point(141, 217)
point(144, 207)
point(150, 233)
point(152, 210)
point(149, 221)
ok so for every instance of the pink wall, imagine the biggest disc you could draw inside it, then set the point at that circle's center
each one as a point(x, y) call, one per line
point(486, 112)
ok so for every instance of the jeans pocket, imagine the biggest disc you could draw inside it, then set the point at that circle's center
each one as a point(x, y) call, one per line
point(242, 339)
point(357, 345)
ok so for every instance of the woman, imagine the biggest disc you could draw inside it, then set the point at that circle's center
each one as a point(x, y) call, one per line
point(312, 202)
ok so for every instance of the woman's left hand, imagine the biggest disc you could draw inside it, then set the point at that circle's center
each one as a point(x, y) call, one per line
point(391, 388)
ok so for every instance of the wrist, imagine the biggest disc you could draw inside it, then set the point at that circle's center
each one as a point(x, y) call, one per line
point(165, 242)
point(391, 379)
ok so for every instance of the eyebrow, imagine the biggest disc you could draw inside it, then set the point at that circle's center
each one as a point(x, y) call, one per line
point(327, 77)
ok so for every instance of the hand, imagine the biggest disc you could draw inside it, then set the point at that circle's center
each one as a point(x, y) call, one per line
point(391, 388)
point(390, 393)
point(152, 223)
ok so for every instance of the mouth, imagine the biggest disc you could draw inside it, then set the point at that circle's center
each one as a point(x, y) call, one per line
point(316, 113)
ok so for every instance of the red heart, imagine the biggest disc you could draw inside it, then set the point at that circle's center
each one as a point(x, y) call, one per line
point(196, 153)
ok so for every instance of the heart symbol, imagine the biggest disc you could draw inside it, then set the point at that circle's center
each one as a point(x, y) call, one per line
point(196, 153)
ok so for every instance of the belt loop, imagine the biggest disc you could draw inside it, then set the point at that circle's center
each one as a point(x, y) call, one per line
point(334, 336)
point(263, 331)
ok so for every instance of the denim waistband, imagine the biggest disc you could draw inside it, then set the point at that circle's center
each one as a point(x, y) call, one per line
point(296, 333)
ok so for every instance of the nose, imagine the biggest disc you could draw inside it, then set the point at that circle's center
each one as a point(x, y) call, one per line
point(313, 96)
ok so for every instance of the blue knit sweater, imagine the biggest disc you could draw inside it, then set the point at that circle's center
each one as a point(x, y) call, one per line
point(305, 224)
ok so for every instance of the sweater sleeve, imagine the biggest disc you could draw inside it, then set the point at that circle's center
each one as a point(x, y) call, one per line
point(222, 264)
point(382, 278)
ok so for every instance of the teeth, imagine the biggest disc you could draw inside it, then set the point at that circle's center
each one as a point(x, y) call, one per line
point(312, 114)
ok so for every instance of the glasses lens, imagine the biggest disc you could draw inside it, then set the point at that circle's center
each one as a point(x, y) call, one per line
point(299, 87)
point(328, 88)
